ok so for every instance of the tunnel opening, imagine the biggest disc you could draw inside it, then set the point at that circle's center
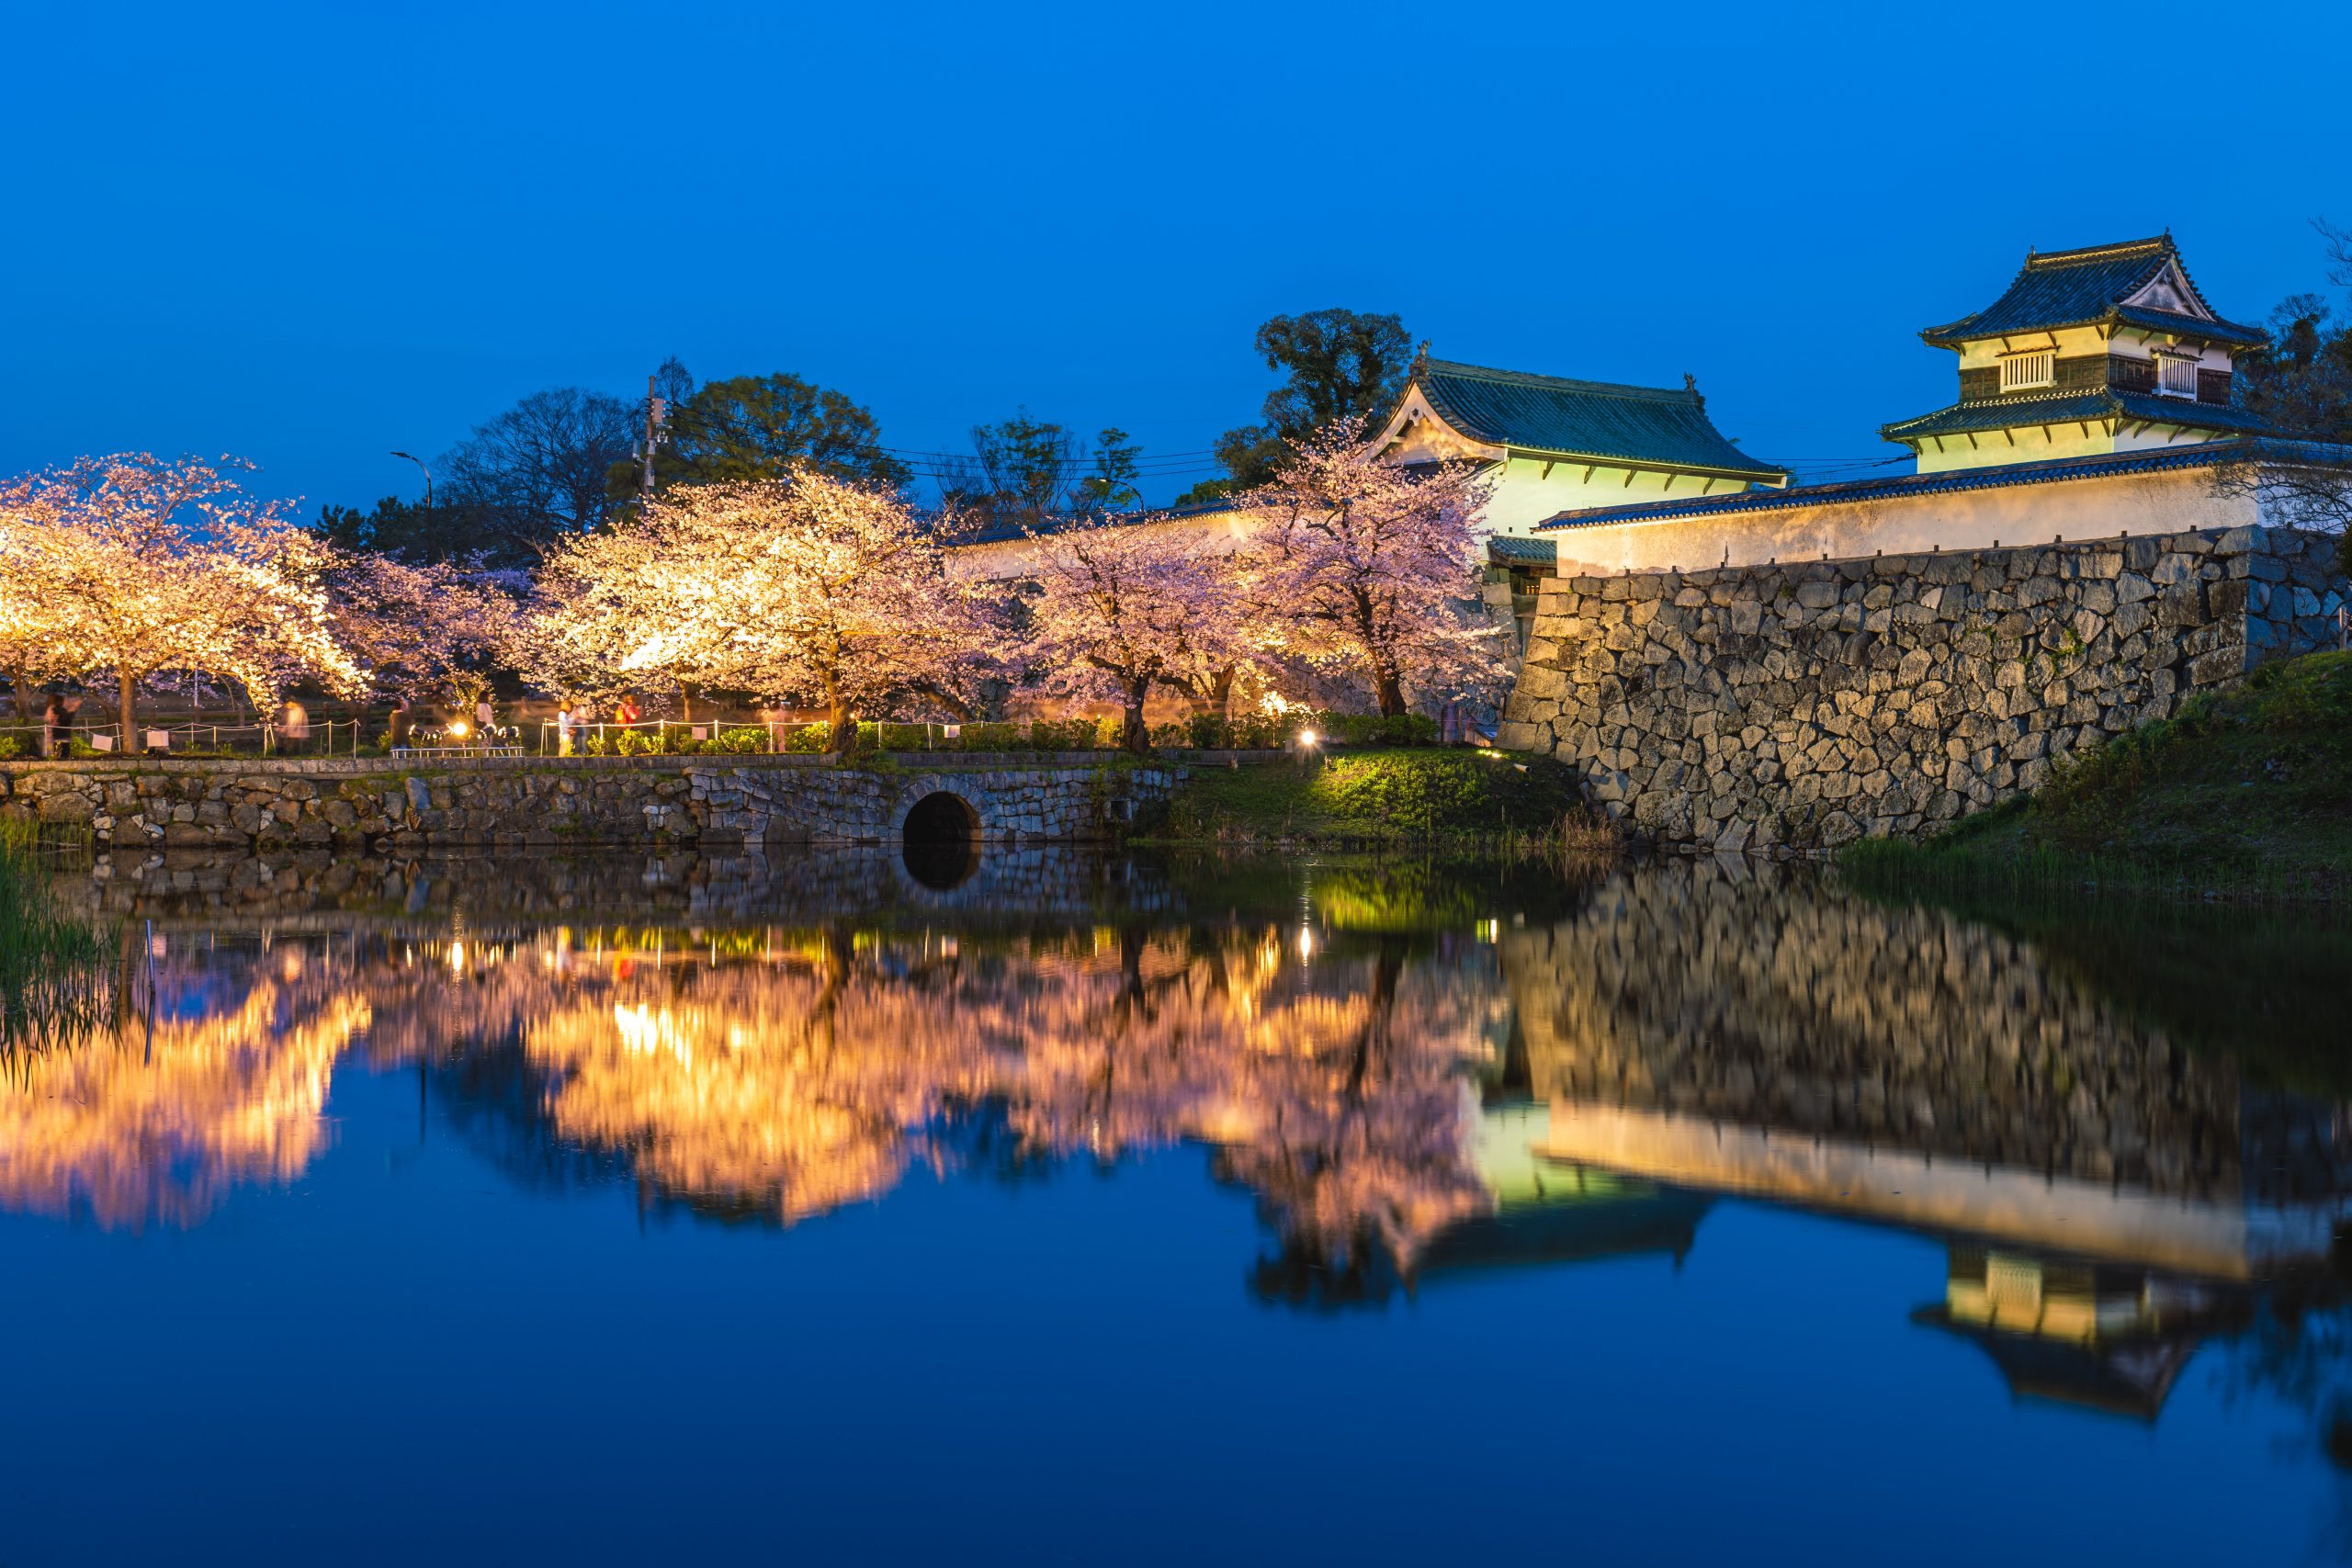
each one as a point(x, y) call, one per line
point(942, 839)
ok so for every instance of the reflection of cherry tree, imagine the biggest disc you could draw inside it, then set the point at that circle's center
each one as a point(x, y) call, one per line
point(161, 1128)
point(815, 1072)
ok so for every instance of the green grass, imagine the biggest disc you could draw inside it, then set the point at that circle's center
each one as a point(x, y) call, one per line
point(2245, 793)
point(1408, 795)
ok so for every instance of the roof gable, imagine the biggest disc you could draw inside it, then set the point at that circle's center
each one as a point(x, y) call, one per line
point(2140, 283)
point(1598, 421)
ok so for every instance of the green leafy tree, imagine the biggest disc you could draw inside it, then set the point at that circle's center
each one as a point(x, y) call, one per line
point(1340, 364)
point(1111, 485)
point(1026, 473)
point(762, 427)
point(407, 531)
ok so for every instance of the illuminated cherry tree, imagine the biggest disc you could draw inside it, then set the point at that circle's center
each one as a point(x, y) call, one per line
point(809, 589)
point(142, 566)
point(1366, 570)
point(420, 631)
point(1122, 607)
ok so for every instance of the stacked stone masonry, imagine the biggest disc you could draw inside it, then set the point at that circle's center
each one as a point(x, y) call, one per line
point(547, 801)
point(1804, 705)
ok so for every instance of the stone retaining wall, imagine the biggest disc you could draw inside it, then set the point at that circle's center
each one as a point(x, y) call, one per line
point(1807, 703)
point(357, 802)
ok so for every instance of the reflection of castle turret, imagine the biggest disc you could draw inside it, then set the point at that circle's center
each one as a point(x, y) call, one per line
point(2086, 1334)
point(1549, 1211)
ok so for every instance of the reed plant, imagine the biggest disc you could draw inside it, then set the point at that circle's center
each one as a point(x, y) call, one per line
point(56, 971)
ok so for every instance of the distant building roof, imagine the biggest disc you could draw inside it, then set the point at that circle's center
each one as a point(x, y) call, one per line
point(2202, 454)
point(1510, 550)
point(2069, 408)
point(1549, 415)
point(2074, 288)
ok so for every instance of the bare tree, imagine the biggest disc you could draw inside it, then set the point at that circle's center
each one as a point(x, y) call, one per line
point(537, 474)
point(2303, 387)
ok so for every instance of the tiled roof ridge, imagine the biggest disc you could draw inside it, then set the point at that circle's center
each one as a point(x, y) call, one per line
point(2084, 254)
point(1564, 383)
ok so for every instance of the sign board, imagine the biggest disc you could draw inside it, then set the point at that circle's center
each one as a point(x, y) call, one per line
point(101, 742)
point(702, 732)
point(953, 731)
point(159, 740)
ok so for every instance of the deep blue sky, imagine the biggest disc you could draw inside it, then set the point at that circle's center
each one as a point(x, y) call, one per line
point(310, 235)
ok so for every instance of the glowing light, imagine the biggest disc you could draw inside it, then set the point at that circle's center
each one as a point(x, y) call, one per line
point(1305, 943)
point(1306, 738)
point(456, 729)
point(457, 957)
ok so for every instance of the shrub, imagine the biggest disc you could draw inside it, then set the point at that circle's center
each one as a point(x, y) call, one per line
point(11, 747)
point(1062, 734)
point(742, 741)
point(638, 743)
point(597, 746)
point(905, 736)
point(807, 738)
point(1373, 729)
point(991, 738)
point(1110, 734)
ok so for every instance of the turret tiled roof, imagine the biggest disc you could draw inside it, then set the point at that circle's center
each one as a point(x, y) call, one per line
point(2074, 288)
point(2070, 408)
point(1551, 416)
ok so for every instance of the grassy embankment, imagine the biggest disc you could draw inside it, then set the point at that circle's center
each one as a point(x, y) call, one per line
point(1461, 799)
point(2245, 793)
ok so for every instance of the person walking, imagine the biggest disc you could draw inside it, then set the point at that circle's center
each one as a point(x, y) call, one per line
point(563, 728)
point(53, 720)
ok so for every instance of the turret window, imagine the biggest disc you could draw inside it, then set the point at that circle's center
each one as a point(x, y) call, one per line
point(2177, 375)
point(2020, 371)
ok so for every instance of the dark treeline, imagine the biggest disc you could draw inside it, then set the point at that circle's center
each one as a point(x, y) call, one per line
point(567, 460)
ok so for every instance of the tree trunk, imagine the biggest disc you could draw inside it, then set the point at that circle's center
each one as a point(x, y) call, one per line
point(1219, 696)
point(843, 722)
point(131, 715)
point(1136, 737)
point(1392, 694)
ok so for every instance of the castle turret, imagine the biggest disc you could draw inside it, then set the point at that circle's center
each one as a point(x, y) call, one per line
point(2107, 349)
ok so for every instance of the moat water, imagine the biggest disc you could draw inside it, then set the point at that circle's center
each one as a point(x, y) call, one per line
point(1056, 1207)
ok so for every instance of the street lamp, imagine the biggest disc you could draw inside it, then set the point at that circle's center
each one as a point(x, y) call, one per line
point(428, 476)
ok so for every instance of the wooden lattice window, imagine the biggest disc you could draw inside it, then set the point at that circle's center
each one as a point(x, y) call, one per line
point(2175, 374)
point(2037, 368)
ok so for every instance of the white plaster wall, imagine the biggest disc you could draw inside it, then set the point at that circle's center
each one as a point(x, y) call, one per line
point(2012, 514)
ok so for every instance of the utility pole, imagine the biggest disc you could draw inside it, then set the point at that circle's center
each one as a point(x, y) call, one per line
point(656, 412)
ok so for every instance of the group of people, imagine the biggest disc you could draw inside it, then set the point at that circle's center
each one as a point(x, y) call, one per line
point(580, 713)
point(55, 720)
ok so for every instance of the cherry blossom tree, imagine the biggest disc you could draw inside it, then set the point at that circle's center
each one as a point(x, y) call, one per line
point(1123, 606)
point(1363, 568)
point(145, 566)
point(417, 630)
point(810, 588)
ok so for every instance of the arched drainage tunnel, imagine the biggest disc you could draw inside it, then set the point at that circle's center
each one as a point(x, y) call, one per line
point(942, 839)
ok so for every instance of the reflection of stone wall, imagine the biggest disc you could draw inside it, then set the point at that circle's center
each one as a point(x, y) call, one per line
point(790, 884)
point(1770, 1002)
point(549, 802)
point(1816, 701)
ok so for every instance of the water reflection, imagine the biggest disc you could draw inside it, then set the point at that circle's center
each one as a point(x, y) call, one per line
point(1418, 1072)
